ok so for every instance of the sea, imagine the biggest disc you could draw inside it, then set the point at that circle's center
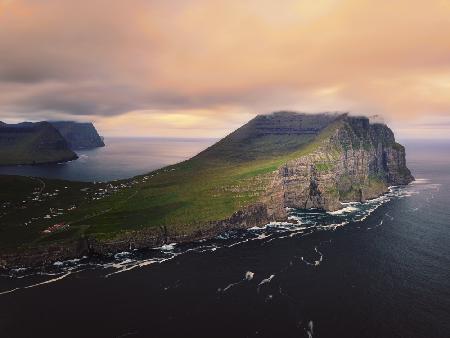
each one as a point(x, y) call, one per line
point(120, 158)
point(374, 269)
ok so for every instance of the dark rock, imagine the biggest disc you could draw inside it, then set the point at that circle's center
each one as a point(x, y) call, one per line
point(358, 161)
point(79, 135)
point(32, 143)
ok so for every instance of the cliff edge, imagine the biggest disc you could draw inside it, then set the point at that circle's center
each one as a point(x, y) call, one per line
point(79, 135)
point(32, 143)
point(355, 161)
point(249, 178)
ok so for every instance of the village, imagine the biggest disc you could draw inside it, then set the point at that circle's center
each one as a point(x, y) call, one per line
point(46, 203)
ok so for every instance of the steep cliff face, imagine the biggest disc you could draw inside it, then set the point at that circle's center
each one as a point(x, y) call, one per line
point(32, 143)
point(79, 135)
point(357, 161)
point(251, 177)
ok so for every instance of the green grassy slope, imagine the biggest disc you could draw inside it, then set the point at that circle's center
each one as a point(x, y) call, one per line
point(184, 197)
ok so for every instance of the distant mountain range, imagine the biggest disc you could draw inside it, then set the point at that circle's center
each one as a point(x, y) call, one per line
point(45, 142)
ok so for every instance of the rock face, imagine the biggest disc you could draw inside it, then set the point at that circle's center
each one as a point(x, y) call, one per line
point(273, 163)
point(355, 161)
point(79, 135)
point(32, 143)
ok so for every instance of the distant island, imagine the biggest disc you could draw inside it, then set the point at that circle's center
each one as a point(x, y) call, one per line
point(79, 135)
point(45, 142)
point(32, 143)
point(250, 178)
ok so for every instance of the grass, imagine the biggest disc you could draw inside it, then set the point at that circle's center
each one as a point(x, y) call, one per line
point(324, 166)
point(182, 198)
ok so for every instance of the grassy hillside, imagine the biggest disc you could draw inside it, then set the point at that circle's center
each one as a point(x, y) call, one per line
point(182, 198)
point(32, 143)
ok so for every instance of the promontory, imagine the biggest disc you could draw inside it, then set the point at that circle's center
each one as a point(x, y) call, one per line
point(249, 178)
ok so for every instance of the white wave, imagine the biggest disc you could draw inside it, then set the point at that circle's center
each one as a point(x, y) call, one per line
point(168, 247)
point(306, 224)
point(238, 243)
point(9, 291)
point(229, 286)
point(266, 280)
point(205, 248)
point(345, 210)
point(333, 226)
point(123, 269)
point(310, 328)
point(48, 281)
point(247, 277)
point(262, 236)
point(420, 181)
point(293, 234)
point(122, 254)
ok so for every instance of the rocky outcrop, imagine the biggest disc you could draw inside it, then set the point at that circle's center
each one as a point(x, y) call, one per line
point(357, 161)
point(253, 215)
point(79, 135)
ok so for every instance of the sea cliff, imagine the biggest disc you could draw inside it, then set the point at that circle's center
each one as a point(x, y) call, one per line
point(249, 178)
point(32, 143)
point(79, 135)
point(356, 162)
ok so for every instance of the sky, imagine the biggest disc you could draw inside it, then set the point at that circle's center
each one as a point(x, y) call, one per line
point(201, 68)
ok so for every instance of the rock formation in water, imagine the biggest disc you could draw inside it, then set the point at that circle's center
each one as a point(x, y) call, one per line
point(79, 135)
point(32, 143)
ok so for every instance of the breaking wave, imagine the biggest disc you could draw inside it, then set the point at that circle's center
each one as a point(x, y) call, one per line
point(300, 223)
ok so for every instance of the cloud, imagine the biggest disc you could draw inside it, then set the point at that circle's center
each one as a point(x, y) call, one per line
point(223, 60)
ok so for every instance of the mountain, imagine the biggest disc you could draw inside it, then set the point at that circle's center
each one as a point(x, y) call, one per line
point(250, 178)
point(331, 158)
point(79, 135)
point(354, 161)
point(32, 143)
point(276, 161)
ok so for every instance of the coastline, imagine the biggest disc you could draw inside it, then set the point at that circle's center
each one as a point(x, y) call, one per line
point(254, 216)
point(74, 158)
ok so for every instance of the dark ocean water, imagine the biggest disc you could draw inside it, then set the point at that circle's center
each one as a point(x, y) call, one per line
point(121, 158)
point(380, 269)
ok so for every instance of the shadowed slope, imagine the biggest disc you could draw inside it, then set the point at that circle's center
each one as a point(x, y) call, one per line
point(246, 179)
point(79, 135)
point(32, 143)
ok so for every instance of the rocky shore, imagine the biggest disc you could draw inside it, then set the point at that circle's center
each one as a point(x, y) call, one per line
point(341, 158)
point(252, 216)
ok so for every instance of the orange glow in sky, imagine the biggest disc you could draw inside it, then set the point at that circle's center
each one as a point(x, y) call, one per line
point(202, 68)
